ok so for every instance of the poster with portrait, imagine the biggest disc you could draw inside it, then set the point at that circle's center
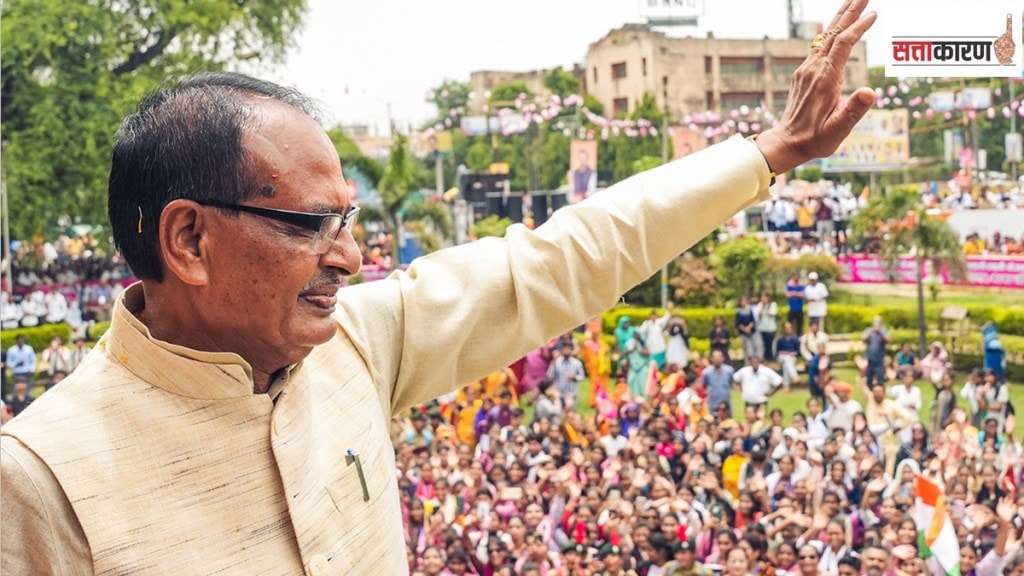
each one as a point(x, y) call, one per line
point(881, 141)
point(686, 142)
point(582, 169)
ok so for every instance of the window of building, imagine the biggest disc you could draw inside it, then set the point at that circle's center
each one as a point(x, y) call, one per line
point(620, 106)
point(708, 65)
point(746, 66)
point(595, 74)
point(733, 100)
point(709, 100)
point(779, 100)
point(785, 67)
point(643, 66)
point(618, 70)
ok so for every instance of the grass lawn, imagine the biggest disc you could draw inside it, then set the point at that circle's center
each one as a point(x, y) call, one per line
point(796, 399)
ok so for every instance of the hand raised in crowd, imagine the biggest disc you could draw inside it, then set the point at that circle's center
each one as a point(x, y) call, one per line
point(877, 485)
point(1006, 510)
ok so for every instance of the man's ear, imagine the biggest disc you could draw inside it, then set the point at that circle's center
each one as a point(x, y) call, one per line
point(182, 226)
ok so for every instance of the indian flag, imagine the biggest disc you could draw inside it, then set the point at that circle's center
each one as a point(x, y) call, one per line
point(935, 534)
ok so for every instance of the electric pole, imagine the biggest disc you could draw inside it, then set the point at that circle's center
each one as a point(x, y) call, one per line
point(664, 160)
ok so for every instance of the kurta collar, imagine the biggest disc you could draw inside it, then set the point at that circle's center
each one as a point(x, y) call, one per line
point(173, 368)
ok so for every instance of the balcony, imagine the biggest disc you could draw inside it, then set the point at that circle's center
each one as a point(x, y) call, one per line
point(741, 83)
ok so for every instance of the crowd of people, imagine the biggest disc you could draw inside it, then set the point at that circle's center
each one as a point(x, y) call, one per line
point(656, 469)
point(811, 221)
point(75, 290)
point(998, 245)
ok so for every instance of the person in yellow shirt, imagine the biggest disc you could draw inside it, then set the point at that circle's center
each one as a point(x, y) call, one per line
point(731, 467)
point(469, 404)
point(974, 246)
point(596, 356)
point(805, 218)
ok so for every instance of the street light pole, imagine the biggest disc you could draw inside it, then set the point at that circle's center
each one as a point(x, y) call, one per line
point(1013, 128)
point(664, 160)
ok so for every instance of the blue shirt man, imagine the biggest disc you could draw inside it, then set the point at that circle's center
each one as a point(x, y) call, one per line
point(795, 300)
point(22, 359)
point(718, 382)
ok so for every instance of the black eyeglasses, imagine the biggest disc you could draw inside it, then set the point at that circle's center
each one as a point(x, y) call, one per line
point(326, 226)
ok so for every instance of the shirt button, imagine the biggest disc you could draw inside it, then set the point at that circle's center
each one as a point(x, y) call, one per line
point(317, 566)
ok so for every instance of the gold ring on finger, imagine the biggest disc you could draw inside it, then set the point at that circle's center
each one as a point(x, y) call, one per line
point(819, 41)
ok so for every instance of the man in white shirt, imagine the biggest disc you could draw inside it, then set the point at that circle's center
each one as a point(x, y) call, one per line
point(817, 425)
point(757, 382)
point(816, 295)
point(908, 396)
point(812, 340)
point(56, 307)
point(766, 317)
point(840, 415)
point(653, 333)
point(614, 442)
point(10, 318)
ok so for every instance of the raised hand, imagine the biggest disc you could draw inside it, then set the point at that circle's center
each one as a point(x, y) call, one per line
point(816, 119)
point(877, 485)
point(1006, 510)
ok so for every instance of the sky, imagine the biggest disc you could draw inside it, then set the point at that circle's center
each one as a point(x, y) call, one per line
point(363, 58)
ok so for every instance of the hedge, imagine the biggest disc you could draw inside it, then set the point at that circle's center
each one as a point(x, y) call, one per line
point(698, 320)
point(38, 337)
point(841, 319)
point(97, 330)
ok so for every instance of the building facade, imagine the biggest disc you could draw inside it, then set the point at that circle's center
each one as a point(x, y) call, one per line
point(699, 74)
point(482, 82)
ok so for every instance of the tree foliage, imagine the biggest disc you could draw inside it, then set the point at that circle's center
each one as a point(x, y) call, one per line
point(451, 94)
point(352, 156)
point(740, 265)
point(561, 83)
point(695, 283)
point(898, 224)
point(402, 206)
point(70, 70)
point(504, 94)
point(491, 226)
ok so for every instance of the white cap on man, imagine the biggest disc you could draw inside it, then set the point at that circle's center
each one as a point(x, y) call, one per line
point(812, 276)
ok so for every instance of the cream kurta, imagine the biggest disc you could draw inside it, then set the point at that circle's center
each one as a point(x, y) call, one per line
point(156, 459)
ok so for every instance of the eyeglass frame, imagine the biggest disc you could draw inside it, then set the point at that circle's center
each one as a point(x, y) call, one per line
point(311, 221)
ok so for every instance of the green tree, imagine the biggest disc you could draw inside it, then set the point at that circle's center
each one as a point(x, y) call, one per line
point(504, 94)
point(593, 104)
point(694, 283)
point(479, 156)
point(491, 226)
point(351, 156)
point(740, 265)
point(900, 225)
point(449, 95)
point(402, 207)
point(69, 71)
point(561, 83)
point(553, 159)
point(810, 173)
point(647, 109)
